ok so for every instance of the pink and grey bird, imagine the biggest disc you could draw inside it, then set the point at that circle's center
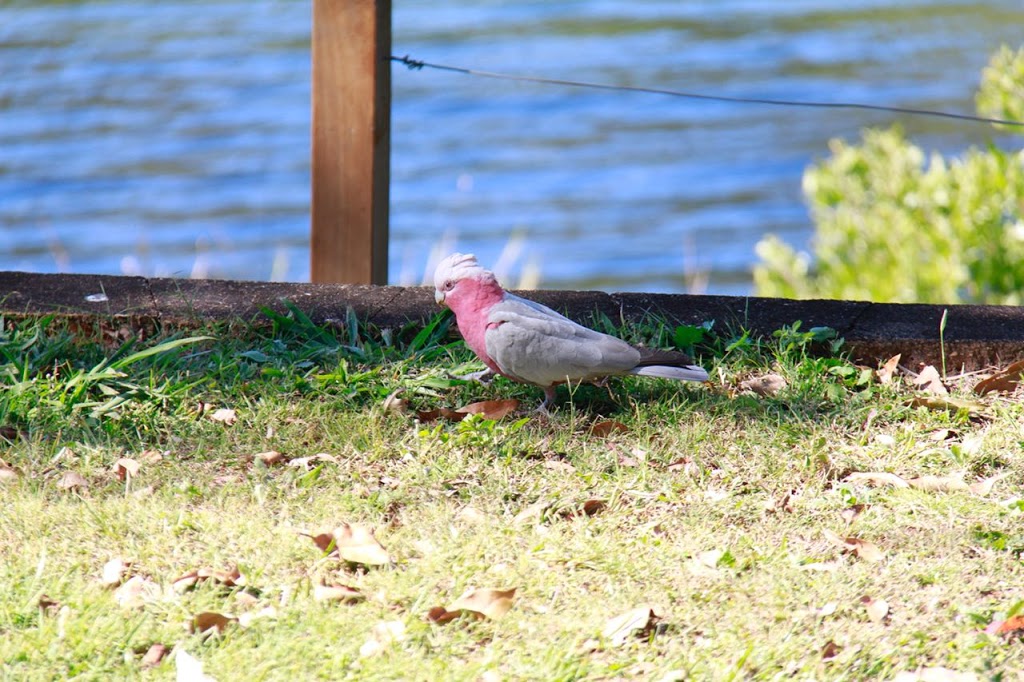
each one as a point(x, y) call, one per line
point(531, 343)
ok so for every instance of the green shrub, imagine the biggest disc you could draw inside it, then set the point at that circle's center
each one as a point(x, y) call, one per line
point(893, 224)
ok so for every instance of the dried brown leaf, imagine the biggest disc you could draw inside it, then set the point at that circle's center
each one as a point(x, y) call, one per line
point(974, 409)
point(269, 458)
point(830, 650)
point(126, 468)
point(885, 373)
point(73, 480)
point(984, 486)
point(638, 622)
point(395, 404)
point(766, 385)
point(185, 582)
point(605, 428)
point(383, 635)
point(337, 593)
point(877, 609)
point(441, 615)
point(7, 473)
point(850, 514)
point(471, 515)
point(877, 478)
point(491, 409)
point(531, 514)
point(1004, 381)
point(48, 604)
point(136, 592)
point(929, 381)
point(862, 548)
point(939, 483)
point(355, 543)
point(150, 456)
point(154, 654)
point(210, 621)
point(224, 415)
point(114, 571)
point(489, 603)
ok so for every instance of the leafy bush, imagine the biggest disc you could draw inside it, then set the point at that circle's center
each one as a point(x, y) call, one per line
point(893, 224)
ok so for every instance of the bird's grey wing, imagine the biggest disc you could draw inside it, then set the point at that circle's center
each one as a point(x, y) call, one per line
point(532, 343)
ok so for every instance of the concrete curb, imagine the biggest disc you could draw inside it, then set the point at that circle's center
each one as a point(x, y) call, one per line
point(975, 336)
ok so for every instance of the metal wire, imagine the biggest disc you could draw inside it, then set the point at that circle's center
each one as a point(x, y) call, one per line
point(416, 64)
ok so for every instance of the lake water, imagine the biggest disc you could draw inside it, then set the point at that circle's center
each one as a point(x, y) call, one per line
point(172, 138)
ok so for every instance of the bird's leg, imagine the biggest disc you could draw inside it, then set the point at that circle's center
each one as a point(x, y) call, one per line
point(484, 376)
point(549, 399)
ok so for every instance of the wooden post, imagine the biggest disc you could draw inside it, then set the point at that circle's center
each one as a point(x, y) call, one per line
point(351, 89)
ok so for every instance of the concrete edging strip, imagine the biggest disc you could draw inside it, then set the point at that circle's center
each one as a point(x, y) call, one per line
point(975, 336)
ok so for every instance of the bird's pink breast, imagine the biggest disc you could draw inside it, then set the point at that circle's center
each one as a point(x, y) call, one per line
point(471, 300)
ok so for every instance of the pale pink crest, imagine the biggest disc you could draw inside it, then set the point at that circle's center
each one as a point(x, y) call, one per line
point(456, 267)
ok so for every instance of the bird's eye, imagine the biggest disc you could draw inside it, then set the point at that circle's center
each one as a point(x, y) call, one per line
point(449, 285)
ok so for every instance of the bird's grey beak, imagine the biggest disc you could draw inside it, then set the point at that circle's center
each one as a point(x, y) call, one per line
point(439, 297)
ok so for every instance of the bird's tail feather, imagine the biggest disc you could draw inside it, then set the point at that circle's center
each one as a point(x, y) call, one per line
point(691, 373)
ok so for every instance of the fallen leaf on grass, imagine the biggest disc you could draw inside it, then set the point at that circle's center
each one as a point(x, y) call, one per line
point(188, 668)
point(877, 609)
point(353, 542)
point(1011, 627)
point(929, 381)
point(471, 515)
point(946, 403)
point(154, 654)
point(307, 462)
point(877, 478)
point(126, 468)
point(7, 472)
point(224, 415)
point(395, 404)
point(531, 514)
point(767, 385)
point(850, 514)
point(210, 621)
point(937, 674)
point(269, 458)
point(382, 635)
point(931, 483)
point(151, 456)
point(607, 427)
point(885, 373)
point(73, 480)
point(984, 486)
point(229, 578)
point(48, 604)
point(938, 483)
point(588, 508)
point(638, 622)
point(862, 548)
point(136, 592)
point(489, 409)
point(114, 571)
point(1003, 381)
point(479, 603)
point(247, 619)
point(337, 593)
point(830, 650)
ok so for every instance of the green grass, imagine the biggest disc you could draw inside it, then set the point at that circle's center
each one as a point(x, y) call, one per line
point(699, 469)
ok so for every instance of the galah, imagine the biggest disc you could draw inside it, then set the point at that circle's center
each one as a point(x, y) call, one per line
point(531, 343)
